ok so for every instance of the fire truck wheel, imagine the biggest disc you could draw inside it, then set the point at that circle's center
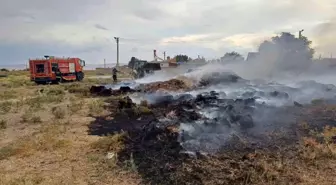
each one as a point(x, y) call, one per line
point(80, 76)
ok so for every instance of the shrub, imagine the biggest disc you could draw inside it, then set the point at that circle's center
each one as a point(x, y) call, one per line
point(55, 91)
point(36, 119)
point(58, 112)
point(25, 118)
point(3, 124)
point(144, 110)
point(6, 152)
point(96, 107)
point(76, 105)
point(5, 107)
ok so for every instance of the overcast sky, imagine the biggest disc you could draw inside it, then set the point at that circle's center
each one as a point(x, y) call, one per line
point(85, 28)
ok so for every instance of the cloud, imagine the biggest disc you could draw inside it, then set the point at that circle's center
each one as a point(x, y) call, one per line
point(98, 26)
point(207, 27)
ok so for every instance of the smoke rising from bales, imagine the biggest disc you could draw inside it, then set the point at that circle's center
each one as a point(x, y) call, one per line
point(282, 75)
point(324, 37)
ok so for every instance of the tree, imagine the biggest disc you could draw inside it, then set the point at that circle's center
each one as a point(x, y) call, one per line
point(182, 58)
point(232, 56)
point(287, 52)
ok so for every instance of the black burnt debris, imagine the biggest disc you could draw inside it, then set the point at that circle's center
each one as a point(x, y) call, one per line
point(219, 78)
point(170, 85)
point(153, 141)
point(103, 91)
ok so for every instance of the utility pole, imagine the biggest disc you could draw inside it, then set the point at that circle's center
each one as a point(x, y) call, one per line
point(117, 40)
point(164, 55)
point(300, 33)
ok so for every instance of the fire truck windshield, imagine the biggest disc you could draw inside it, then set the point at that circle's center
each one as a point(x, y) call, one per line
point(82, 62)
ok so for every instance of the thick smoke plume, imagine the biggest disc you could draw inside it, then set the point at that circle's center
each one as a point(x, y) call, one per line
point(283, 75)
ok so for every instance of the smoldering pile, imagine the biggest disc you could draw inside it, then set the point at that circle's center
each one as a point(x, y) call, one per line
point(208, 120)
point(170, 85)
point(208, 123)
point(218, 108)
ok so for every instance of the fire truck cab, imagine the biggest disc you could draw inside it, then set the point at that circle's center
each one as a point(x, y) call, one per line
point(54, 70)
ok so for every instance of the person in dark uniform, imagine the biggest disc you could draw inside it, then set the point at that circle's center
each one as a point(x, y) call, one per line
point(114, 73)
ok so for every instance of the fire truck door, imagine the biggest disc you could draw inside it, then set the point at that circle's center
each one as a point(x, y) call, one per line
point(71, 67)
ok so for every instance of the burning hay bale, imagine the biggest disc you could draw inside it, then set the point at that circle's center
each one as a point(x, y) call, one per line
point(218, 78)
point(170, 85)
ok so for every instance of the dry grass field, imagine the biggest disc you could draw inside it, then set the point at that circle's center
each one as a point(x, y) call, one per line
point(43, 134)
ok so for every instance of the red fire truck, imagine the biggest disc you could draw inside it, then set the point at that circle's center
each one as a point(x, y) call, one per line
point(54, 70)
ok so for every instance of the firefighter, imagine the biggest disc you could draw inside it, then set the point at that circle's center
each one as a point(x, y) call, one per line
point(114, 74)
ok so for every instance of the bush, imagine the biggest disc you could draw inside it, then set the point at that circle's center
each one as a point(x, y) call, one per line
point(6, 152)
point(36, 119)
point(144, 110)
point(96, 107)
point(5, 107)
point(76, 106)
point(28, 117)
point(58, 112)
point(55, 91)
point(25, 118)
point(3, 124)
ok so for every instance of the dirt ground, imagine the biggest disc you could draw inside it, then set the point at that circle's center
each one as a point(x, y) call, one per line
point(50, 135)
